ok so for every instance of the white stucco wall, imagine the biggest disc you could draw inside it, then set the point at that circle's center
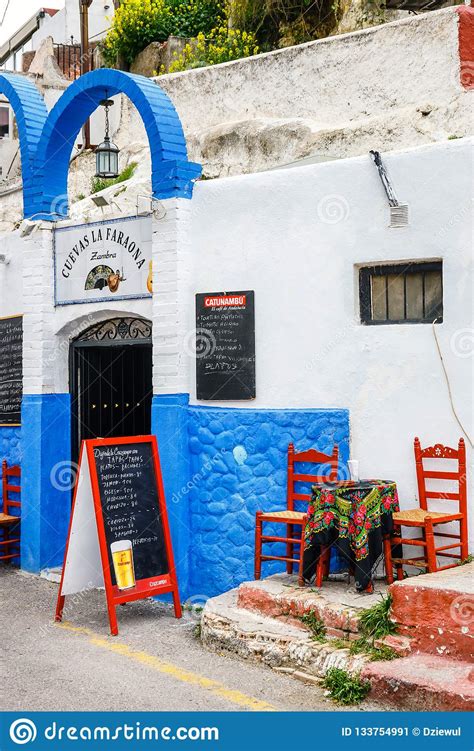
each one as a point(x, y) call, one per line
point(11, 302)
point(295, 237)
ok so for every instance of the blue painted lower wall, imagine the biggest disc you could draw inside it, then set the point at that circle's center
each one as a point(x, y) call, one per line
point(219, 467)
point(169, 422)
point(46, 479)
point(238, 466)
point(10, 449)
point(10, 445)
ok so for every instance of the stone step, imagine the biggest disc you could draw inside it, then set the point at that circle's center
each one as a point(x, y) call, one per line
point(268, 629)
point(422, 683)
point(276, 642)
point(437, 612)
point(402, 645)
point(336, 604)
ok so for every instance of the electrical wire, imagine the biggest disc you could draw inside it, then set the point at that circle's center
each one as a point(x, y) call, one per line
point(5, 12)
point(453, 408)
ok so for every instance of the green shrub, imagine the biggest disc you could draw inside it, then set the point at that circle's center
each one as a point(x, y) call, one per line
point(345, 688)
point(100, 183)
point(221, 46)
point(137, 23)
point(279, 23)
point(196, 16)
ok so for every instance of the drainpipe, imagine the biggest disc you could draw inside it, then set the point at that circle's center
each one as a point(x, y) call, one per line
point(84, 6)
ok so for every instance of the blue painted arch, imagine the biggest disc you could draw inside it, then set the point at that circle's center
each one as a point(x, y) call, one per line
point(172, 174)
point(31, 115)
point(47, 140)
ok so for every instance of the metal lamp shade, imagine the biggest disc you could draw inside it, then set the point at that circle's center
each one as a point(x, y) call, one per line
point(107, 159)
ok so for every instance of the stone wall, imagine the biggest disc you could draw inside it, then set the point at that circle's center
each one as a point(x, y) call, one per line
point(238, 466)
point(386, 87)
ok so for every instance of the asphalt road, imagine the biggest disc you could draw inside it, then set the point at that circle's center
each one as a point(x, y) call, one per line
point(156, 663)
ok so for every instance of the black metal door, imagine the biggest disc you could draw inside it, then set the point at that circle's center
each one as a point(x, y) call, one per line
point(111, 388)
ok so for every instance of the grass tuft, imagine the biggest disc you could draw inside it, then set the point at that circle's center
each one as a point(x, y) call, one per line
point(315, 625)
point(345, 688)
point(465, 561)
point(100, 183)
point(366, 646)
point(375, 622)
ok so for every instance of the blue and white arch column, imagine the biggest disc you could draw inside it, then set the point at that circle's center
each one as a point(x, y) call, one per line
point(46, 142)
point(46, 428)
point(172, 359)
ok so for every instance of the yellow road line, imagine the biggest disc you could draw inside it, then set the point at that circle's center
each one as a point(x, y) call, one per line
point(174, 671)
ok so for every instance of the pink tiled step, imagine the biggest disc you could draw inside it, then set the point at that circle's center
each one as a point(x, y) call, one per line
point(337, 604)
point(437, 612)
point(422, 683)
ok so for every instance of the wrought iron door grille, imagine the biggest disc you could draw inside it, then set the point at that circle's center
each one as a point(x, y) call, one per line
point(118, 329)
point(111, 380)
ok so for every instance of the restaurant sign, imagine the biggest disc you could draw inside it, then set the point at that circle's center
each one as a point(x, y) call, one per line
point(103, 261)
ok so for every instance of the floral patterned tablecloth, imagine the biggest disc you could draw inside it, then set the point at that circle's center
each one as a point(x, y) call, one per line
point(354, 516)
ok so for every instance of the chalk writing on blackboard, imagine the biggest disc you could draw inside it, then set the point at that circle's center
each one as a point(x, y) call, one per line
point(130, 507)
point(11, 370)
point(225, 346)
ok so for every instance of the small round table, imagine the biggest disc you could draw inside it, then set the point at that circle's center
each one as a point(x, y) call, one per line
point(355, 516)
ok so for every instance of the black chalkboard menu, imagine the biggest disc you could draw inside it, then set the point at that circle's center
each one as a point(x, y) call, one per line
point(119, 535)
point(11, 370)
point(225, 345)
point(130, 505)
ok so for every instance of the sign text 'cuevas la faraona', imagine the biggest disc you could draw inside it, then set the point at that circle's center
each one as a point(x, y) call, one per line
point(103, 261)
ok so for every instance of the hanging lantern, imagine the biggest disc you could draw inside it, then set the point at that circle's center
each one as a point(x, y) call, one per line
point(107, 153)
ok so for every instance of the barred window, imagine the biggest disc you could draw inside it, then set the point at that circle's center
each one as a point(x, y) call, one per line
point(401, 293)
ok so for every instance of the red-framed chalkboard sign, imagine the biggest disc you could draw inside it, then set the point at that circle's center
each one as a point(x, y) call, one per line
point(119, 534)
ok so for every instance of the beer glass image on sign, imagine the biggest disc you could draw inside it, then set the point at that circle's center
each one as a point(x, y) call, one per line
point(130, 508)
point(122, 556)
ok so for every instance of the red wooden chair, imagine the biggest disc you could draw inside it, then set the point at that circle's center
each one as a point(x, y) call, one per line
point(290, 517)
point(9, 543)
point(426, 520)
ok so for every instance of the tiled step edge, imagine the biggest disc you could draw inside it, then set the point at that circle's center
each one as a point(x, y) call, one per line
point(225, 626)
point(422, 683)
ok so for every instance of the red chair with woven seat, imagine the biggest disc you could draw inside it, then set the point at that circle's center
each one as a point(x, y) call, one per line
point(10, 484)
point(328, 472)
point(426, 520)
